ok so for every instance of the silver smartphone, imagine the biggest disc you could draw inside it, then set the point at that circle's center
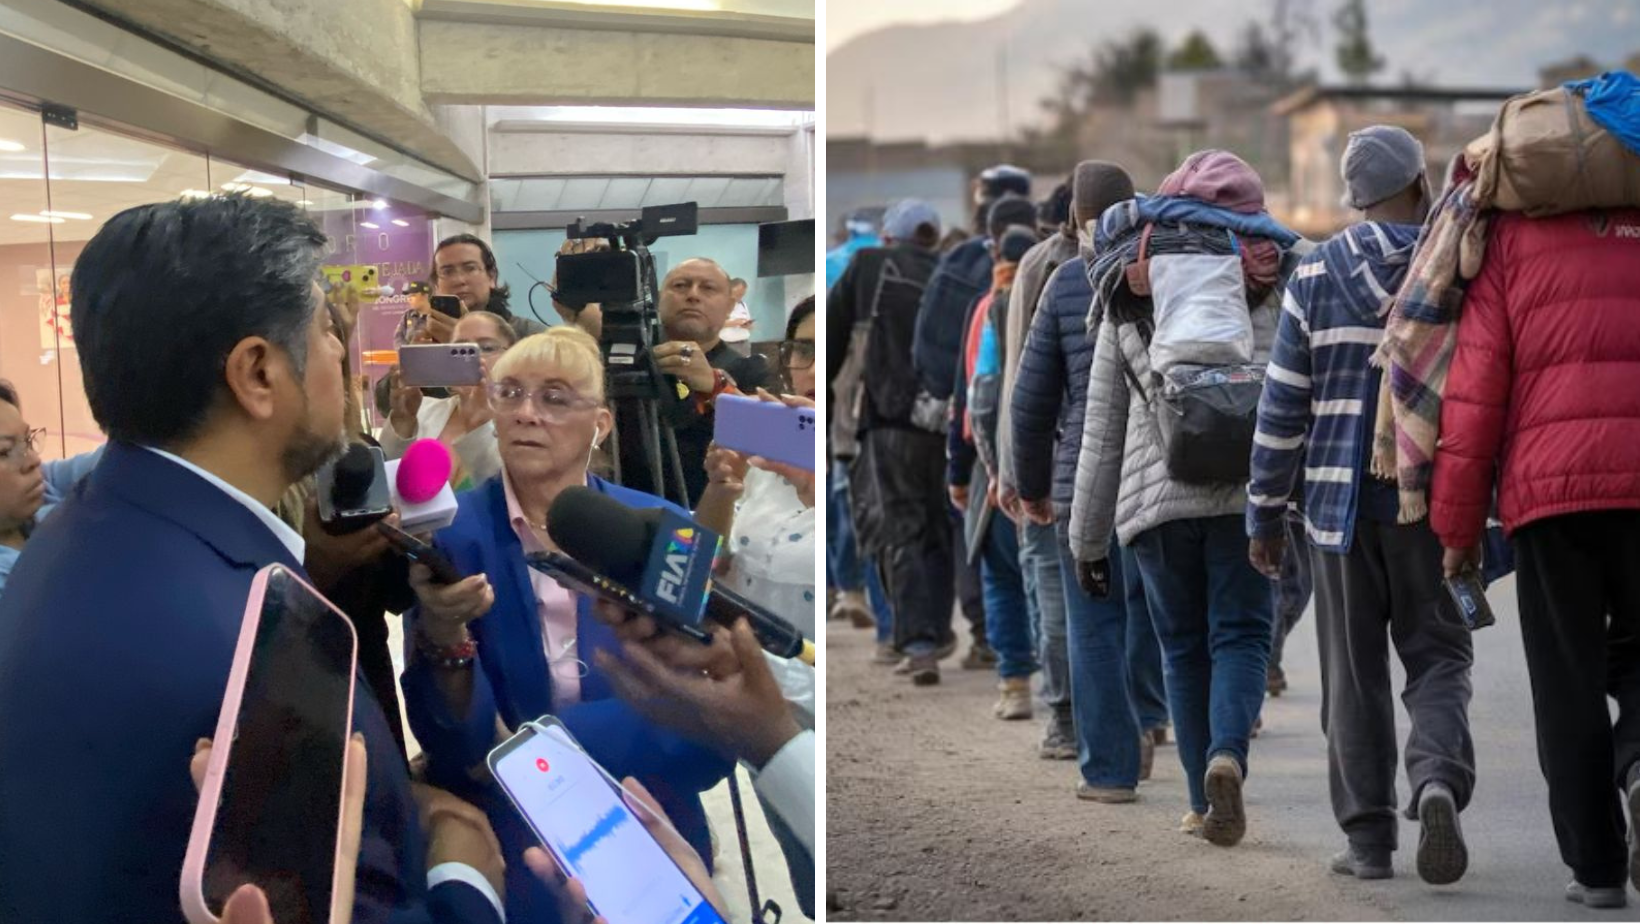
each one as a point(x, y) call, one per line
point(446, 364)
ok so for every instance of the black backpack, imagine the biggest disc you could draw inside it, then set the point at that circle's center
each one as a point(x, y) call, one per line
point(888, 375)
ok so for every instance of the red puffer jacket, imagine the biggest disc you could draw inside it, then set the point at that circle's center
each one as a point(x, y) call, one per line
point(1546, 377)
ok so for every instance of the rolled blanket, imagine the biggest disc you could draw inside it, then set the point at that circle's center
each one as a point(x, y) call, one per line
point(1420, 335)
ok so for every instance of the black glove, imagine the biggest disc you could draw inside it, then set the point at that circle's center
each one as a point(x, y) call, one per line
point(1094, 576)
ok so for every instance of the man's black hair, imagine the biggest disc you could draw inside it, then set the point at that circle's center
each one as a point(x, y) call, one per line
point(1008, 211)
point(1055, 210)
point(500, 294)
point(8, 394)
point(804, 309)
point(164, 292)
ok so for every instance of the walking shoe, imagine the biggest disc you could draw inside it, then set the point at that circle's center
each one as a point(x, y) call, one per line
point(1354, 861)
point(885, 654)
point(1015, 702)
point(1591, 897)
point(924, 670)
point(1634, 824)
point(939, 654)
point(1147, 756)
point(1442, 855)
point(1158, 735)
point(1110, 795)
point(980, 657)
point(850, 605)
point(1191, 824)
point(1275, 681)
point(1057, 743)
point(1226, 820)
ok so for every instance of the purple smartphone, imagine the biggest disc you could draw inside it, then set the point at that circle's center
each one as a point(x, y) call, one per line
point(451, 364)
point(763, 428)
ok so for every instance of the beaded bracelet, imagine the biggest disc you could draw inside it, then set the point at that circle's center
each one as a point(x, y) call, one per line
point(450, 657)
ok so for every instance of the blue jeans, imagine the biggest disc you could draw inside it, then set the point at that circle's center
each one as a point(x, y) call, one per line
point(1213, 615)
point(1144, 651)
point(1107, 726)
point(1039, 560)
point(1007, 617)
point(845, 571)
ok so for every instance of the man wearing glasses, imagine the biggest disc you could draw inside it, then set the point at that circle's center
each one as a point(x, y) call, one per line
point(29, 488)
point(464, 266)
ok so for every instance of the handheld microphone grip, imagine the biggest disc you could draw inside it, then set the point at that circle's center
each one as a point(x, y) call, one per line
point(777, 636)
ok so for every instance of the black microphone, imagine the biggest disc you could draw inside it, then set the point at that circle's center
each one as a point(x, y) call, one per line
point(353, 491)
point(651, 553)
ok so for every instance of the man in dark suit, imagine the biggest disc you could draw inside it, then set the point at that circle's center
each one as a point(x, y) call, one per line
point(212, 364)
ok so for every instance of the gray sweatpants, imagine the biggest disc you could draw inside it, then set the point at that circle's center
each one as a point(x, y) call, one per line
point(1387, 589)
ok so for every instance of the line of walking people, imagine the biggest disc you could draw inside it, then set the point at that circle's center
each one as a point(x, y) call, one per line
point(1148, 422)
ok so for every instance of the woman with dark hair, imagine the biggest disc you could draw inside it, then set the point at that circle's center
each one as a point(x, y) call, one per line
point(797, 350)
point(464, 266)
point(29, 488)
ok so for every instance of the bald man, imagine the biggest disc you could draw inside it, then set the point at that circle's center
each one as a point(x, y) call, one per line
point(695, 301)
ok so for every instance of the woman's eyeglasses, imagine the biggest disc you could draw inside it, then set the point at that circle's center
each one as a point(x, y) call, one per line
point(555, 401)
point(16, 455)
point(796, 354)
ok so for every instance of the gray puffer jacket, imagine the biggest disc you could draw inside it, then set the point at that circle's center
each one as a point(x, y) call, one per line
point(1121, 474)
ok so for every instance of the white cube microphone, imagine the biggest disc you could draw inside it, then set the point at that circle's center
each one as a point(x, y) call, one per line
point(421, 487)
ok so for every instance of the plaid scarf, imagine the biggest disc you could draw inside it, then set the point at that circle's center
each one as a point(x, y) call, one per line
point(1420, 335)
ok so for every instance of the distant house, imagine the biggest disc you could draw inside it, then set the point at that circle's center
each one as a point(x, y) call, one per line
point(862, 174)
point(1321, 118)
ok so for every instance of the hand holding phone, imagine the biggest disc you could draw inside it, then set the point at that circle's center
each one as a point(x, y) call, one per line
point(770, 429)
point(594, 833)
point(449, 364)
point(420, 552)
point(1468, 594)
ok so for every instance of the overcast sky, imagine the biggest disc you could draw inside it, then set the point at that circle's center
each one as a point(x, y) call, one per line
point(847, 18)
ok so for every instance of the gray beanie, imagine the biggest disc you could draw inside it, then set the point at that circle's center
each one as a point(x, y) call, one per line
point(1009, 211)
point(1099, 184)
point(1379, 161)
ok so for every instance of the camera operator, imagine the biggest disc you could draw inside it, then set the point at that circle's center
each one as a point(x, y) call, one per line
point(696, 298)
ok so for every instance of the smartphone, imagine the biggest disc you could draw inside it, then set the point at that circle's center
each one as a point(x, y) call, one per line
point(453, 364)
point(447, 305)
point(764, 428)
point(578, 577)
point(270, 808)
point(576, 810)
point(1468, 594)
point(418, 551)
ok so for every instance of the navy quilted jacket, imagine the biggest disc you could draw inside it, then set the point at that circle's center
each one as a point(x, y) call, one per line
point(1051, 389)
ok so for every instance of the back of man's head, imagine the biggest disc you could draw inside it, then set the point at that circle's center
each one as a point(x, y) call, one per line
point(1055, 211)
point(1004, 180)
point(1096, 186)
point(912, 221)
point(1007, 212)
point(164, 292)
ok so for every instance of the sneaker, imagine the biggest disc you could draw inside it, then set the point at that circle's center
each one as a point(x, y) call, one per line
point(1362, 864)
point(1275, 681)
point(1442, 855)
point(980, 657)
point(946, 650)
point(1147, 756)
point(1634, 824)
point(1057, 743)
point(846, 604)
point(1191, 824)
point(1015, 702)
point(1158, 735)
point(1591, 897)
point(1226, 820)
point(1110, 795)
point(885, 654)
point(924, 670)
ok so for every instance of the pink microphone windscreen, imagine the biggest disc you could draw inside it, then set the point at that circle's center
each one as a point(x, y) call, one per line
point(423, 472)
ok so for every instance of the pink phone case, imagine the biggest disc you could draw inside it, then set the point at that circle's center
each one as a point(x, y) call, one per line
point(194, 906)
point(763, 428)
point(440, 364)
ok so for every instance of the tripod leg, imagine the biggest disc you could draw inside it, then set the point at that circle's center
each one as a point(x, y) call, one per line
point(649, 422)
point(615, 445)
point(671, 439)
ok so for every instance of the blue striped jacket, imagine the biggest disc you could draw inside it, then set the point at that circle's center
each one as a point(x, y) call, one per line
point(1319, 391)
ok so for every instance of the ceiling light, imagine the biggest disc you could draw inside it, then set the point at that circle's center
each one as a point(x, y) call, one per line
point(196, 194)
point(41, 219)
point(78, 216)
point(378, 204)
point(11, 146)
point(370, 224)
point(258, 191)
point(304, 202)
point(401, 222)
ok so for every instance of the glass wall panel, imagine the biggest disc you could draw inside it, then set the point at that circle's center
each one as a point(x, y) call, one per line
point(30, 291)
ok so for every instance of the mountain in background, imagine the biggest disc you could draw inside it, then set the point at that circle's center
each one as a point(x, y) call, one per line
point(940, 82)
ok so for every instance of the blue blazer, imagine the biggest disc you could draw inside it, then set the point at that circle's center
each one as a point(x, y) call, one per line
point(511, 680)
point(117, 631)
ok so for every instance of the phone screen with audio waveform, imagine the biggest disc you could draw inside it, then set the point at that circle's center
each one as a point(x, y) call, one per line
point(580, 817)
